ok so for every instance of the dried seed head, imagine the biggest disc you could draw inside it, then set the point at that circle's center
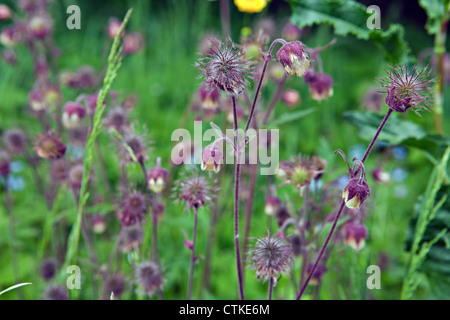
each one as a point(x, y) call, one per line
point(405, 90)
point(131, 237)
point(15, 141)
point(49, 146)
point(224, 68)
point(137, 145)
point(115, 284)
point(299, 171)
point(194, 190)
point(149, 277)
point(355, 235)
point(294, 58)
point(355, 193)
point(117, 119)
point(133, 210)
point(269, 257)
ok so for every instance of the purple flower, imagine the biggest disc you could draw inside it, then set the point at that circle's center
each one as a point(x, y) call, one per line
point(355, 193)
point(157, 177)
point(321, 86)
point(212, 158)
point(73, 113)
point(355, 235)
point(294, 58)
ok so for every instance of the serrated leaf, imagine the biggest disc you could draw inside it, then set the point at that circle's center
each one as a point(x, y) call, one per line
point(395, 131)
point(350, 17)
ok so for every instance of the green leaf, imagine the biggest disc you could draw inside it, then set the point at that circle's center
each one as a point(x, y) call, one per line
point(350, 17)
point(288, 117)
point(395, 131)
point(435, 10)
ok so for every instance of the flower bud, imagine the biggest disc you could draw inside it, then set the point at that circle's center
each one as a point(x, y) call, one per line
point(40, 27)
point(273, 203)
point(355, 193)
point(49, 146)
point(48, 269)
point(5, 12)
point(291, 32)
point(114, 25)
point(157, 178)
point(209, 99)
point(132, 43)
point(355, 235)
point(294, 58)
point(321, 87)
point(290, 97)
point(9, 36)
point(212, 158)
point(380, 175)
point(98, 224)
point(73, 113)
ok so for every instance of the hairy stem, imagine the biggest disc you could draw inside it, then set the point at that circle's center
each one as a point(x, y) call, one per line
point(194, 238)
point(237, 178)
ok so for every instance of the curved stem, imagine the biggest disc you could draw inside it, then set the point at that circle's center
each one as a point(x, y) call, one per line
point(267, 58)
point(191, 273)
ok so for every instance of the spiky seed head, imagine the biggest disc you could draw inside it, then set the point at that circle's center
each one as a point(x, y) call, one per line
point(194, 190)
point(269, 257)
point(55, 292)
point(149, 277)
point(224, 68)
point(132, 237)
point(48, 268)
point(405, 90)
point(133, 210)
point(15, 141)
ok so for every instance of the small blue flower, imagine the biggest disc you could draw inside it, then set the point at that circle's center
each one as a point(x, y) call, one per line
point(399, 174)
point(16, 166)
point(16, 183)
point(399, 152)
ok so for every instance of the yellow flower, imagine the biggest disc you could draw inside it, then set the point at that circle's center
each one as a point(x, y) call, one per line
point(250, 6)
